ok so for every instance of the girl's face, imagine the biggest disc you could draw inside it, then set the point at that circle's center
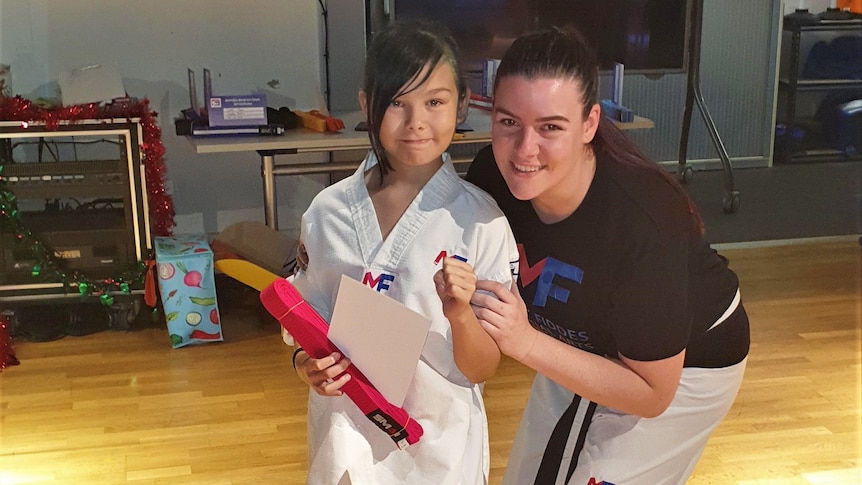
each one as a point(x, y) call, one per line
point(418, 126)
point(540, 138)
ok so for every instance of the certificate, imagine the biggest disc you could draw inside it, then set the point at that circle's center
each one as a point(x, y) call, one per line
point(382, 337)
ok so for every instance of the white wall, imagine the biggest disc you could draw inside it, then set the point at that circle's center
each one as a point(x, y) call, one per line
point(269, 46)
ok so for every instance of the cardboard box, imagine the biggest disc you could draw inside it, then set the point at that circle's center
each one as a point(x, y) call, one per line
point(90, 84)
point(258, 243)
point(187, 287)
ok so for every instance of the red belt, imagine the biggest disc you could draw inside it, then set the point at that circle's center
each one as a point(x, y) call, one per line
point(309, 329)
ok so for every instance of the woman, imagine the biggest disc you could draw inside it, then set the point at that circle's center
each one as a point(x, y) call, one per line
point(632, 322)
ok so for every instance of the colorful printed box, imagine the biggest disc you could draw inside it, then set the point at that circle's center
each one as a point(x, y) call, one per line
point(187, 287)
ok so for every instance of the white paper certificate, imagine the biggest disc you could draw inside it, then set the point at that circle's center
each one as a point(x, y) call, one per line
point(382, 337)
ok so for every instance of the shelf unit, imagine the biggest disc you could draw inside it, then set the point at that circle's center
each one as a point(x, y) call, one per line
point(81, 188)
point(800, 136)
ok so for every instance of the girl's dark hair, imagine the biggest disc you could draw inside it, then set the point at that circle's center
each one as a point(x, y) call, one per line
point(395, 58)
point(562, 52)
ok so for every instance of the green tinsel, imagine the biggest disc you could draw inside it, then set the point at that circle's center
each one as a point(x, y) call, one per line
point(49, 268)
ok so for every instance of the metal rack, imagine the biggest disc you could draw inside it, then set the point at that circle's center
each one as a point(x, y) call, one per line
point(791, 85)
point(693, 95)
point(96, 241)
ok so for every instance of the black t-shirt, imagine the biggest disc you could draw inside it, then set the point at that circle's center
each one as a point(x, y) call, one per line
point(625, 273)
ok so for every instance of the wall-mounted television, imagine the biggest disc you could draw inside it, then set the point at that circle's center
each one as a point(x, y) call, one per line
point(646, 36)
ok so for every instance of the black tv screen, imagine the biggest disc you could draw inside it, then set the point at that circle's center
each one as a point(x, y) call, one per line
point(646, 36)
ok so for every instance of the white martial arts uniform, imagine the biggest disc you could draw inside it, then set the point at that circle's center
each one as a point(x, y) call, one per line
point(449, 217)
point(628, 449)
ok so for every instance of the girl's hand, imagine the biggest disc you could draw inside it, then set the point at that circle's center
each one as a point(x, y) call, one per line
point(504, 318)
point(325, 376)
point(301, 258)
point(475, 352)
point(455, 283)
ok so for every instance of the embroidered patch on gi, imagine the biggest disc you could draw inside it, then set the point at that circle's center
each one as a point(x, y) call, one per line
point(443, 254)
point(593, 481)
point(378, 280)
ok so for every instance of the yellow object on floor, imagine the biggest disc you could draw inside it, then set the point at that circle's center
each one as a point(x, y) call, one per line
point(246, 272)
point(252, 275)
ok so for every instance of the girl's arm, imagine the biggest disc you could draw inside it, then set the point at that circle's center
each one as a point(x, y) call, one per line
point(476, 353)
point(633, 387)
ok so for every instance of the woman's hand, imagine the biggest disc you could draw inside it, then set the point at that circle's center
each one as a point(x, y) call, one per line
point(503, 314)
point(455, 283)
point(325, 376)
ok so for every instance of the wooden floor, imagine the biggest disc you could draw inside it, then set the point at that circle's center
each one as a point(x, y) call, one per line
point(117, 407)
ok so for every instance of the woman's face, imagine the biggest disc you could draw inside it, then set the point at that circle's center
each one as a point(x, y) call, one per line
point(540, 138)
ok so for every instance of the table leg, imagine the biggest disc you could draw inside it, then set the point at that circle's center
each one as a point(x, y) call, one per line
point(270, 208)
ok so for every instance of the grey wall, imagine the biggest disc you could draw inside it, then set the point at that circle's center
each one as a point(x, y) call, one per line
point(275, 47)
point(737, 80)
point(269, 46)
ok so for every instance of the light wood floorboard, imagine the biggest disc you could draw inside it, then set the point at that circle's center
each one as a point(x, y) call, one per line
point(123, 407)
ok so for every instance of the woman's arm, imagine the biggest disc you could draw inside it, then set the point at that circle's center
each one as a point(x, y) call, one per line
point(476, 353)
point(634, 387)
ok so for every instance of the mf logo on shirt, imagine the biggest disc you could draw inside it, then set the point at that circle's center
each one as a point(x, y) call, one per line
point(593, 481)
point(443, 254)
point(380, 283)
point(546, 271)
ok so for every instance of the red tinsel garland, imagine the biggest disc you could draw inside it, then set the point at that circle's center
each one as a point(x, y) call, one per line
point(7, 353)
point(161, 204)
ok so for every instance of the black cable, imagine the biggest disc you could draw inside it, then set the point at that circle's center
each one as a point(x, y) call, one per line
point(326, 91)
point(325, 51)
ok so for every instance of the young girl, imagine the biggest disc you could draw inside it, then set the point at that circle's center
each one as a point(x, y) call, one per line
point(633, 323)
point(407, 224)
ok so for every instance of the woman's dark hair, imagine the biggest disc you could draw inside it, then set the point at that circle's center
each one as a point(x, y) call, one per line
point(562, 52)
point(396, 58)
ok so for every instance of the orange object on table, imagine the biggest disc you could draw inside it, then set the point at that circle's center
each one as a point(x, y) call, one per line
point(315, 120)
point(332, 123)
point(854, 6)
point(310, 121)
